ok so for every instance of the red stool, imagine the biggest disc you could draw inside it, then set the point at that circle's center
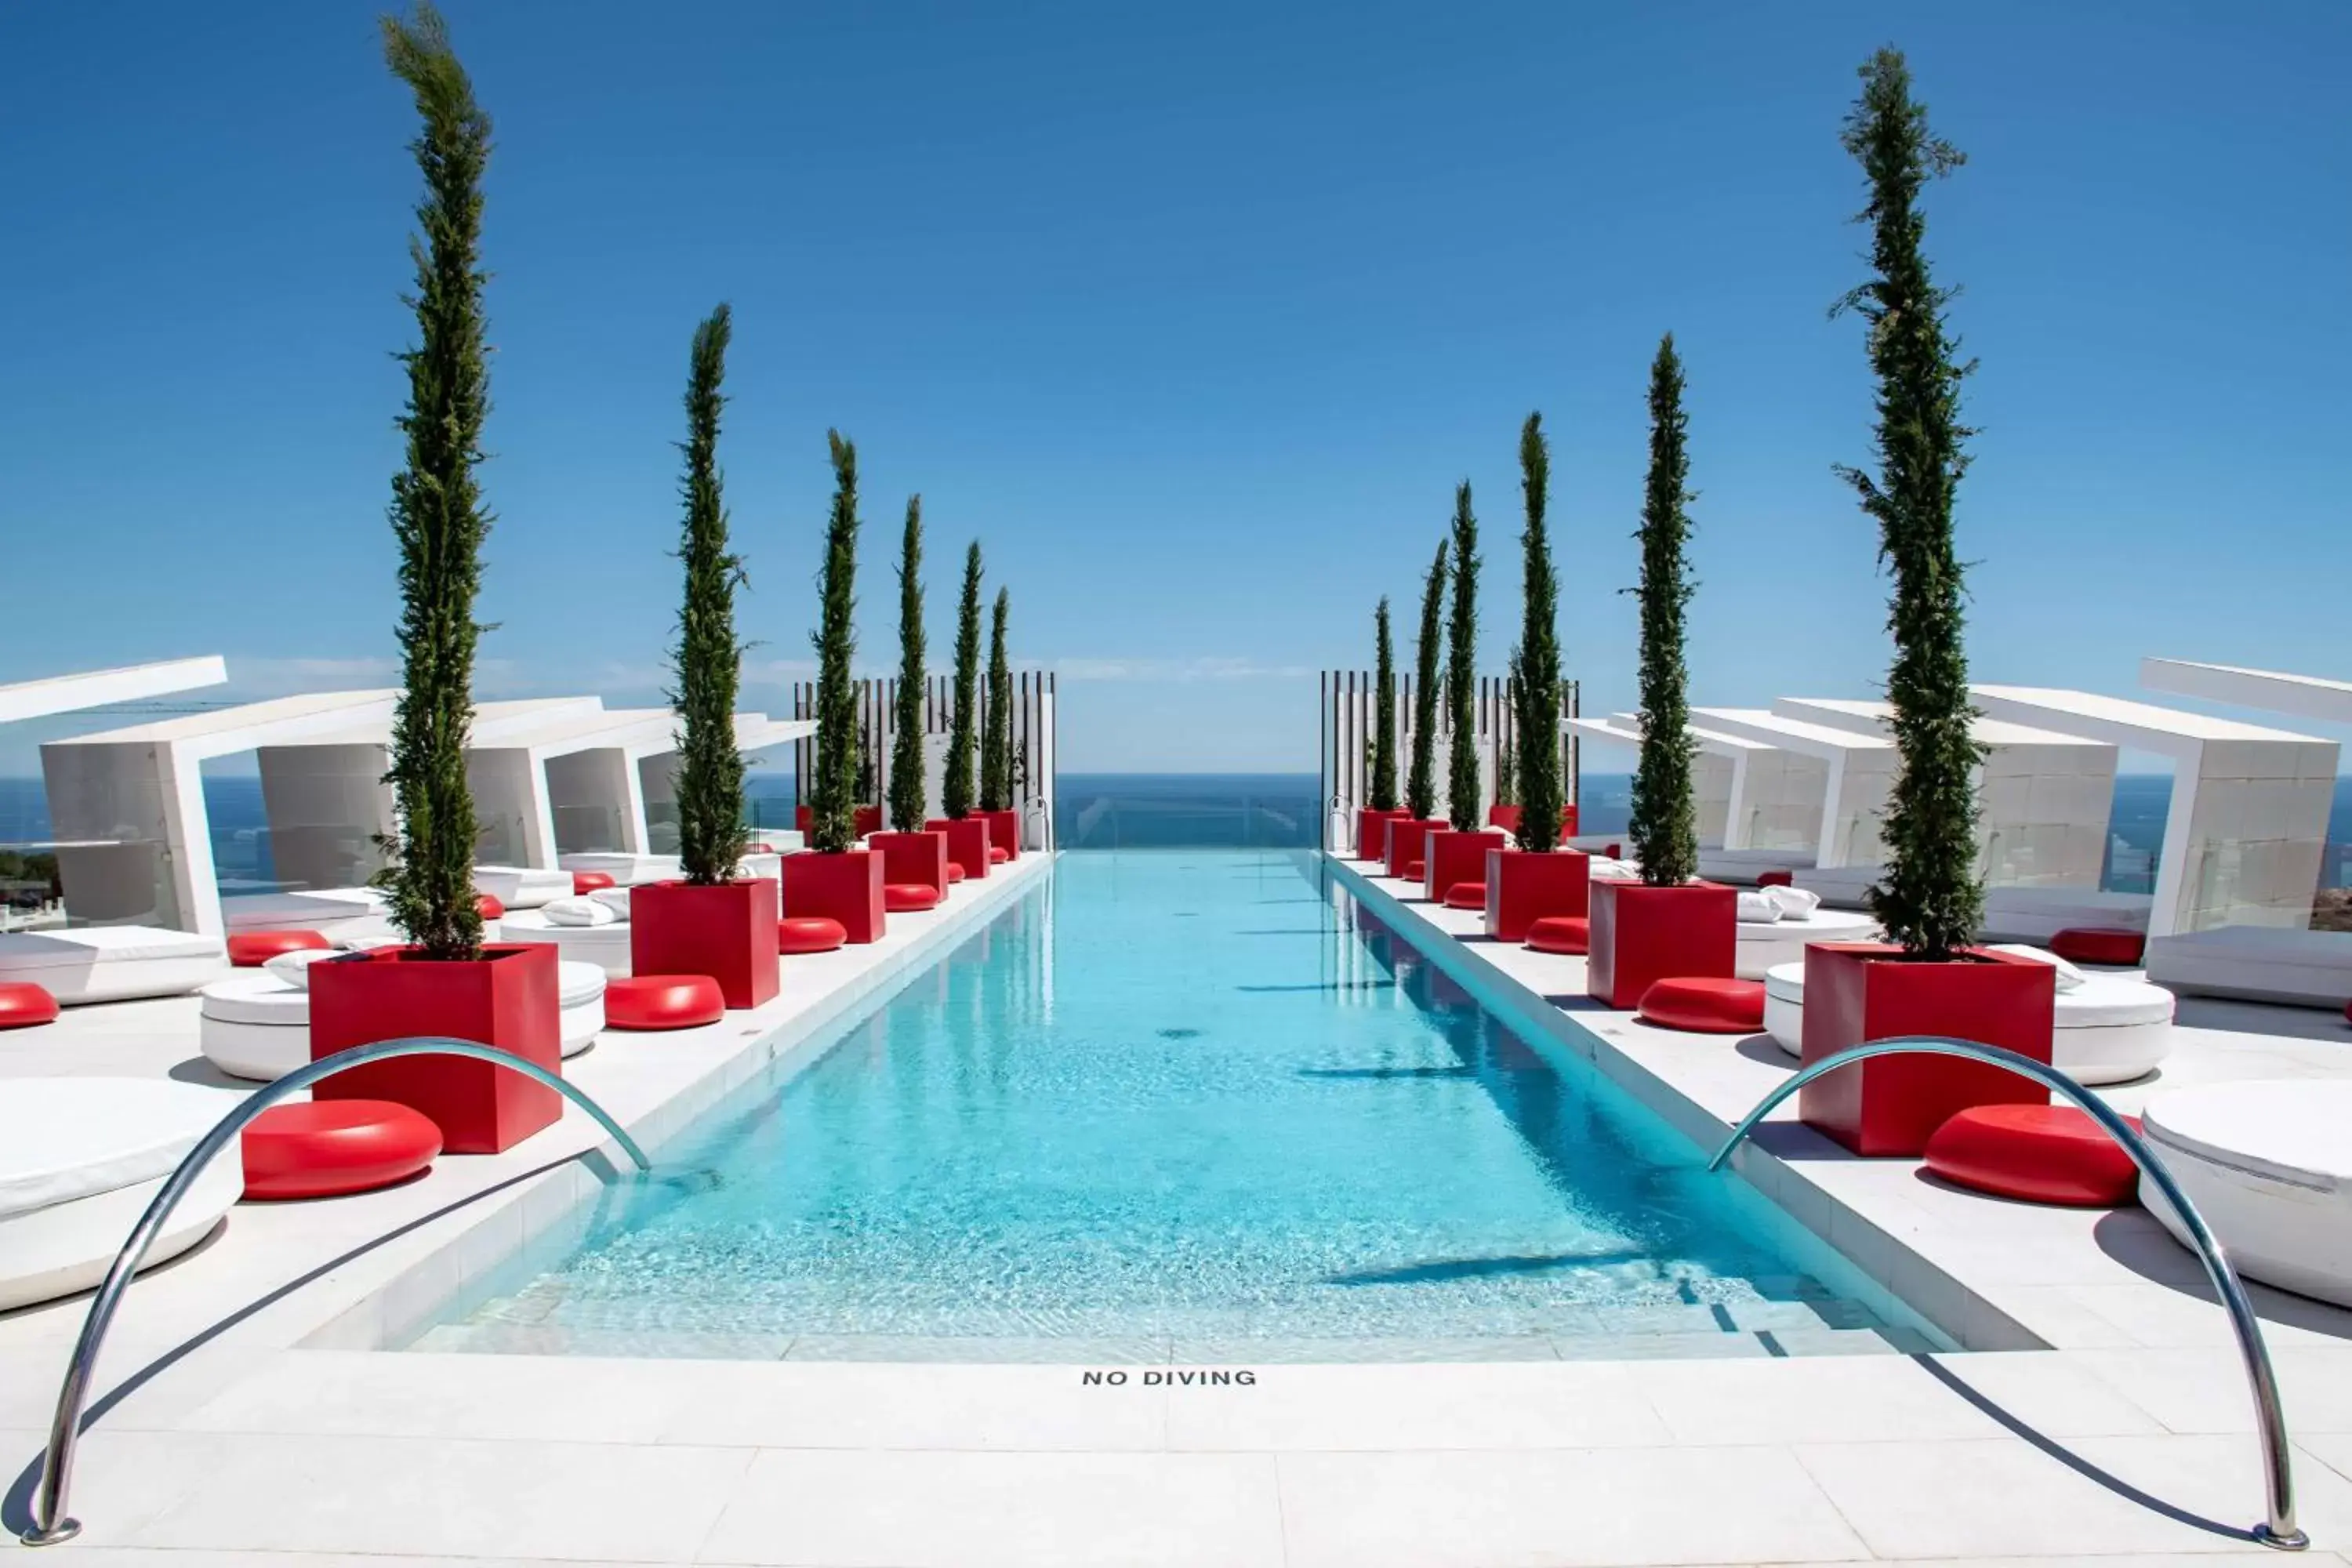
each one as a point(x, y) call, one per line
point(586, 882)
point(904, 898)
point(489, 904)
point(956, 873)
point(1775, 878)
point(23, 1004)
point(663, 1002)
point(2040, 1154)
point(1466, 896)
point(1614, 851)
point(2099, 945)
point(1571, 934)
point(809, 933)
point(1704, 1004)
point(252, 949)
point(330, 1147)
point(997, 854)
point(1416, 870)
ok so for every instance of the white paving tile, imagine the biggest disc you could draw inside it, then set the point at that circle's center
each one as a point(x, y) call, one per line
point(1576, 1405)
point(1891, 1397)
point(846, 1405)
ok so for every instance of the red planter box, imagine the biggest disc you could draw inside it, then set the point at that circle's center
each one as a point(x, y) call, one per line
point(1372, 830)
point(506, 998)
point(1405, 841)
point(866, 819)
point(1523, 887)
point(847, 887)
point(1643, 934)
point(727, 931)
point(968, 842)
point(1893, 1105)
point(1004, 832)
point(1451, 857)
point(913, 857)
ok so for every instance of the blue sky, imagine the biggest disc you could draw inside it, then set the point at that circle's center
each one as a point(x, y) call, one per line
point(1195, 314)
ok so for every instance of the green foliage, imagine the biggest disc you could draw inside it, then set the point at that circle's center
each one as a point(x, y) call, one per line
point(955, 789)
point(1665, 825)
point(1421, 781)
point(708, 658)
point(1462, 791)
point(907, 785)
point(1383, 742)
point(1536, 687)
point(833, 806)
point(1930, 900)
point(437, 517)
point(996, 746)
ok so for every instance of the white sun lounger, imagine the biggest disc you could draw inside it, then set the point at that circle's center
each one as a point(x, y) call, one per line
point(256, 1024)
point(111, 963)
point(2258, 964)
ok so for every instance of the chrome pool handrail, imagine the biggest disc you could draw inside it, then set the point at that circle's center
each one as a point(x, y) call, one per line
point(2279, 1528)
point(50, 1524)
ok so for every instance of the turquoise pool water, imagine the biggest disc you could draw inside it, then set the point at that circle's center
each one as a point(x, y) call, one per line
point(1181, 1102)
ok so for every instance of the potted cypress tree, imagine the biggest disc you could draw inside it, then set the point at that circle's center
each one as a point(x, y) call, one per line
point(711, 922)
point(912, 858)
point(837, 880)
point(1535, 881)
point(966, 834)
point(1930, 980)
point(1371, 821)
point(444, 981)
point(1408, 834)
point(996, 741)
point(1454, 858)
point(1669, 923)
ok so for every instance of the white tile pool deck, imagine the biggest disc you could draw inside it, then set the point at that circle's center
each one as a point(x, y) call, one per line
point(243, 1441)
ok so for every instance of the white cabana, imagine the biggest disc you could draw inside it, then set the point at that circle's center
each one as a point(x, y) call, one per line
point(1857, 770)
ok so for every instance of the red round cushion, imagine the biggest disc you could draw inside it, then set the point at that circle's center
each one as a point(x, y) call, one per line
point(809, 933)
point(329, 1147)
point(2098, 944)
point(997, 854)
point(1614, 851)
point(956, 873)
point(490, 907)
point(663, 1002)
point(1466, 896)
point(24, 1003)
point(1571, 934)
point(252, 949)
point(1775, 878)
point(2042, 1153)
point(1704, 1004)
point(1415, 870)
point(899, 897)
point(586, 882)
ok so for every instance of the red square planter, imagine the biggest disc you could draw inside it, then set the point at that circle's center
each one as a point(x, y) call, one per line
point(1405, 841)
point(1893, 1105)
point(864, 819)
point(727, 931)
point(847, 887)
point(1004, 832)
point(912, 858)
point(1449, 856)
point(506, 998)
point(1372, 830)
point(1643, 934)
point(967, 842)
point(1523, 887)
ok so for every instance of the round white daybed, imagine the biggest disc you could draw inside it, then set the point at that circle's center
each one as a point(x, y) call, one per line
point(591, 929)
point(2269, 1165)
point(256, 1024)
point(80, 1159)
point(1764, 945)
point(522, 887)
point(2109, 1029)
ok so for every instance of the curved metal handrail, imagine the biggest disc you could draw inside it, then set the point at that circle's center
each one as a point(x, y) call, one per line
point(50, 1524)
point(2279, 1528)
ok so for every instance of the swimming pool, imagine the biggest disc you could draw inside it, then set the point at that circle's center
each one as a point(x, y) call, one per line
point(1183, 1103)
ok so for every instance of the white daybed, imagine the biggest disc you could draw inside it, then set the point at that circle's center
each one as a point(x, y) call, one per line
point(2260, 963)
point(625, 869)
point(2269, 1165)
point(594, 929)
point(80, 1159)
point(111, 963)
point(256, 1024)
point(1776, 925)
point(2109, 1029)
point(2011, 914)
point(1742, 866)
point(327, 911)
point(522, 887)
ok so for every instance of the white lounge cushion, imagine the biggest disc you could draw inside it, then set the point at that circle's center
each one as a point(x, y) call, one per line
point(581, 911)
point(108, 963)
point(2108, 1029)
point(1762, 945)
point(2037, 914)
point(2262, 963)
point(522, 887)
point(2269, 1166)
point(1755, 909)
point(294, 968)
point(613, 899)
point(1794, 903)
point(67, 1138)
point(2069, 977)
point(320, 910)
point(256, 996)
point(606, 946)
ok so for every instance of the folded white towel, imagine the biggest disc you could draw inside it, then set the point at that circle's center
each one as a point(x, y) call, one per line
point(588, 911)
point(2069, 977)
point(1795, 903)
point(613, 899)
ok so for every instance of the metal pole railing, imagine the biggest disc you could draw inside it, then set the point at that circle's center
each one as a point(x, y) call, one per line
point(50, 1523)
point(2279, 1528)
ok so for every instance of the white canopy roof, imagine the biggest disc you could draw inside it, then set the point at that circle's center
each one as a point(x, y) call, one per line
point(2309, 696)
point(97, 687)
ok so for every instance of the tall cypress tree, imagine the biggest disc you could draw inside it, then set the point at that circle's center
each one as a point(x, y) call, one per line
point(1542, 792)
point(906, 785)
point(832, 813)
point(955, 789)
point(1665, 825)
point(1930, 900)
point(1462, 794)
point(1421, 783)
point(437, 516)
point(709, 660)
point(996, 745)
point(1384, 794)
